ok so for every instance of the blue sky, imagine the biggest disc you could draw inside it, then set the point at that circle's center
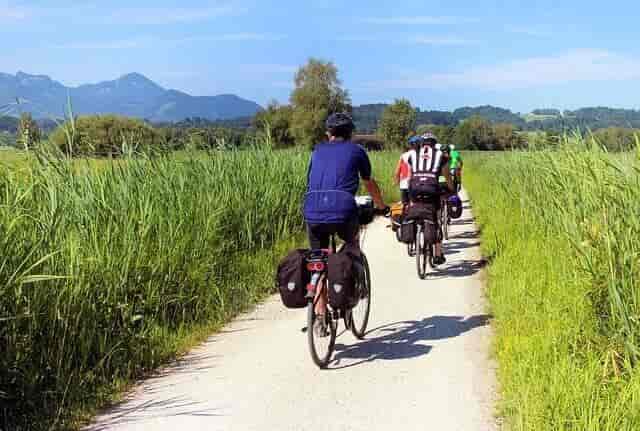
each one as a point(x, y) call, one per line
point(440, 55)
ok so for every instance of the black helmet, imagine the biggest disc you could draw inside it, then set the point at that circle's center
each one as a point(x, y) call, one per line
point(339, 120)
point(430, 137)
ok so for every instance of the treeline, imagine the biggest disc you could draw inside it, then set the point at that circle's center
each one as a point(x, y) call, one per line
point(367, 118)
point(400, 120)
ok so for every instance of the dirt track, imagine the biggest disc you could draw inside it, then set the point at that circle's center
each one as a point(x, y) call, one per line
point(423, 366)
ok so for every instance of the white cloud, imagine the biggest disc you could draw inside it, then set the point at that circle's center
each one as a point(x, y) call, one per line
point(574, 66)
point(148, 41)
point(128, 15)
point(9, 13)
point(419, 20)
point(158, 16)
point(442, 41)
point(104, 45)
point(412, 40)
point(242, 37)
point(528, 31)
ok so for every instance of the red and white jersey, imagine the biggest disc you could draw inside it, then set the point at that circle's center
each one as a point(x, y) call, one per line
point(405, 170)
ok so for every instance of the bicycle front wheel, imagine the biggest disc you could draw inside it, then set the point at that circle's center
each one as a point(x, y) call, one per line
point(360, 313)
point(422, 255)
point(321, 334)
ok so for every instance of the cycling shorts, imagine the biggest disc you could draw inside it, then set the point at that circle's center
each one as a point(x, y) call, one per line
point(320, 233)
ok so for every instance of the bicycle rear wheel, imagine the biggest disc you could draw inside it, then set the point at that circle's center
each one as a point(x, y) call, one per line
point(321, 336)
point(444, 219)
point(360, 313)
point(422, 257)
point(411, 249)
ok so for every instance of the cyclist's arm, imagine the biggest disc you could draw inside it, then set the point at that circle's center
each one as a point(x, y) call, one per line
point(364, 169)
point(446, 173)
point(374, 191)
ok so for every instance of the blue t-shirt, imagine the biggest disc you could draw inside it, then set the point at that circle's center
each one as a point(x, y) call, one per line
point(333, 180)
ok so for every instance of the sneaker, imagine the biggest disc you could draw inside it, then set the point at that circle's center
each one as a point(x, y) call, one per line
point(438, 260)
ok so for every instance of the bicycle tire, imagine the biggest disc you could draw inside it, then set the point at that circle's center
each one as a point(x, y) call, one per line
point(319, 359)
point(444, 219)
point(411, 249)
point(422, 257)
point(359, 328)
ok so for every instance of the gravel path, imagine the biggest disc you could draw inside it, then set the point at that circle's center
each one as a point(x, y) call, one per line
point(423, 366)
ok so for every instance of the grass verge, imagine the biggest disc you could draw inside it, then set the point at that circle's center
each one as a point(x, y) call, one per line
point(561, 236)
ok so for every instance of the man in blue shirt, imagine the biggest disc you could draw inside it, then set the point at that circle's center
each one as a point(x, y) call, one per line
point(333, 180)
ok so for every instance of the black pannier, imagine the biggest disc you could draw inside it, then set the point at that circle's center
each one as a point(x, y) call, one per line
point(343, 269)
point(292, 278)
point(407, 232)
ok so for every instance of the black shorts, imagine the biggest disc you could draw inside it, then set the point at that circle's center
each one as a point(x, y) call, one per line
point(320, 233)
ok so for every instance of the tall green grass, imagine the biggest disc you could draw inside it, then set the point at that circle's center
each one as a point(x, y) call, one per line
point(110, 268)
point(562, 234)
point(102, 271)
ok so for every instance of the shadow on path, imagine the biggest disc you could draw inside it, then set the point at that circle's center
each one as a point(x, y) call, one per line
point(402, 340)
point(153, 409)
point(460, 268)
point(159, 406)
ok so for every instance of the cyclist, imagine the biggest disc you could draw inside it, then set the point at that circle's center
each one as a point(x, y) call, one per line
point(455, 165)
point(403, 170)
point(333, 179)
point(430, 161)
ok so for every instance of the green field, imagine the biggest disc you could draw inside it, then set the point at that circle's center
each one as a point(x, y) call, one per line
point(561, 232)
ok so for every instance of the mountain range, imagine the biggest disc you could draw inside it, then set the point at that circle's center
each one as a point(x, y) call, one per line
point(132, 95)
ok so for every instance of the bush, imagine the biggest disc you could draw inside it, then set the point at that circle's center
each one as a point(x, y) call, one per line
point(106, 136)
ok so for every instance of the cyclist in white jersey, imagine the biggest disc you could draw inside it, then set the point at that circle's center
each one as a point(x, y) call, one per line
point(427, 163)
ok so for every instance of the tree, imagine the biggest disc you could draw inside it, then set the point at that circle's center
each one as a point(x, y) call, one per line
point(317, 94)
point(445, 134)
point(475, 133)
point(506, 137)
point(275, 124)
point(397, 123)
point(28, 132)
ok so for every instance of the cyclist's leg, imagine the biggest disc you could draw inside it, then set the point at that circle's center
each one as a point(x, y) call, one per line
point(349, 232)
point(319, 235)
point(319, 238)
point(404, 193)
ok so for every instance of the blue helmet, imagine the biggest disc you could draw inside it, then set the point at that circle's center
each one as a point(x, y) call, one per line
point(415, 141)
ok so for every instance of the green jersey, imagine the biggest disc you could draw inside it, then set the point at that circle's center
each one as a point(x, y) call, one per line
point(455, 159)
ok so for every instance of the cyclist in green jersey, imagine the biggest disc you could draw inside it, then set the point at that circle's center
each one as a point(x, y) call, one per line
point(455, 166)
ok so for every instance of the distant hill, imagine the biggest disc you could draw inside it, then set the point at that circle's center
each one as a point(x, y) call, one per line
point(132, 95)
